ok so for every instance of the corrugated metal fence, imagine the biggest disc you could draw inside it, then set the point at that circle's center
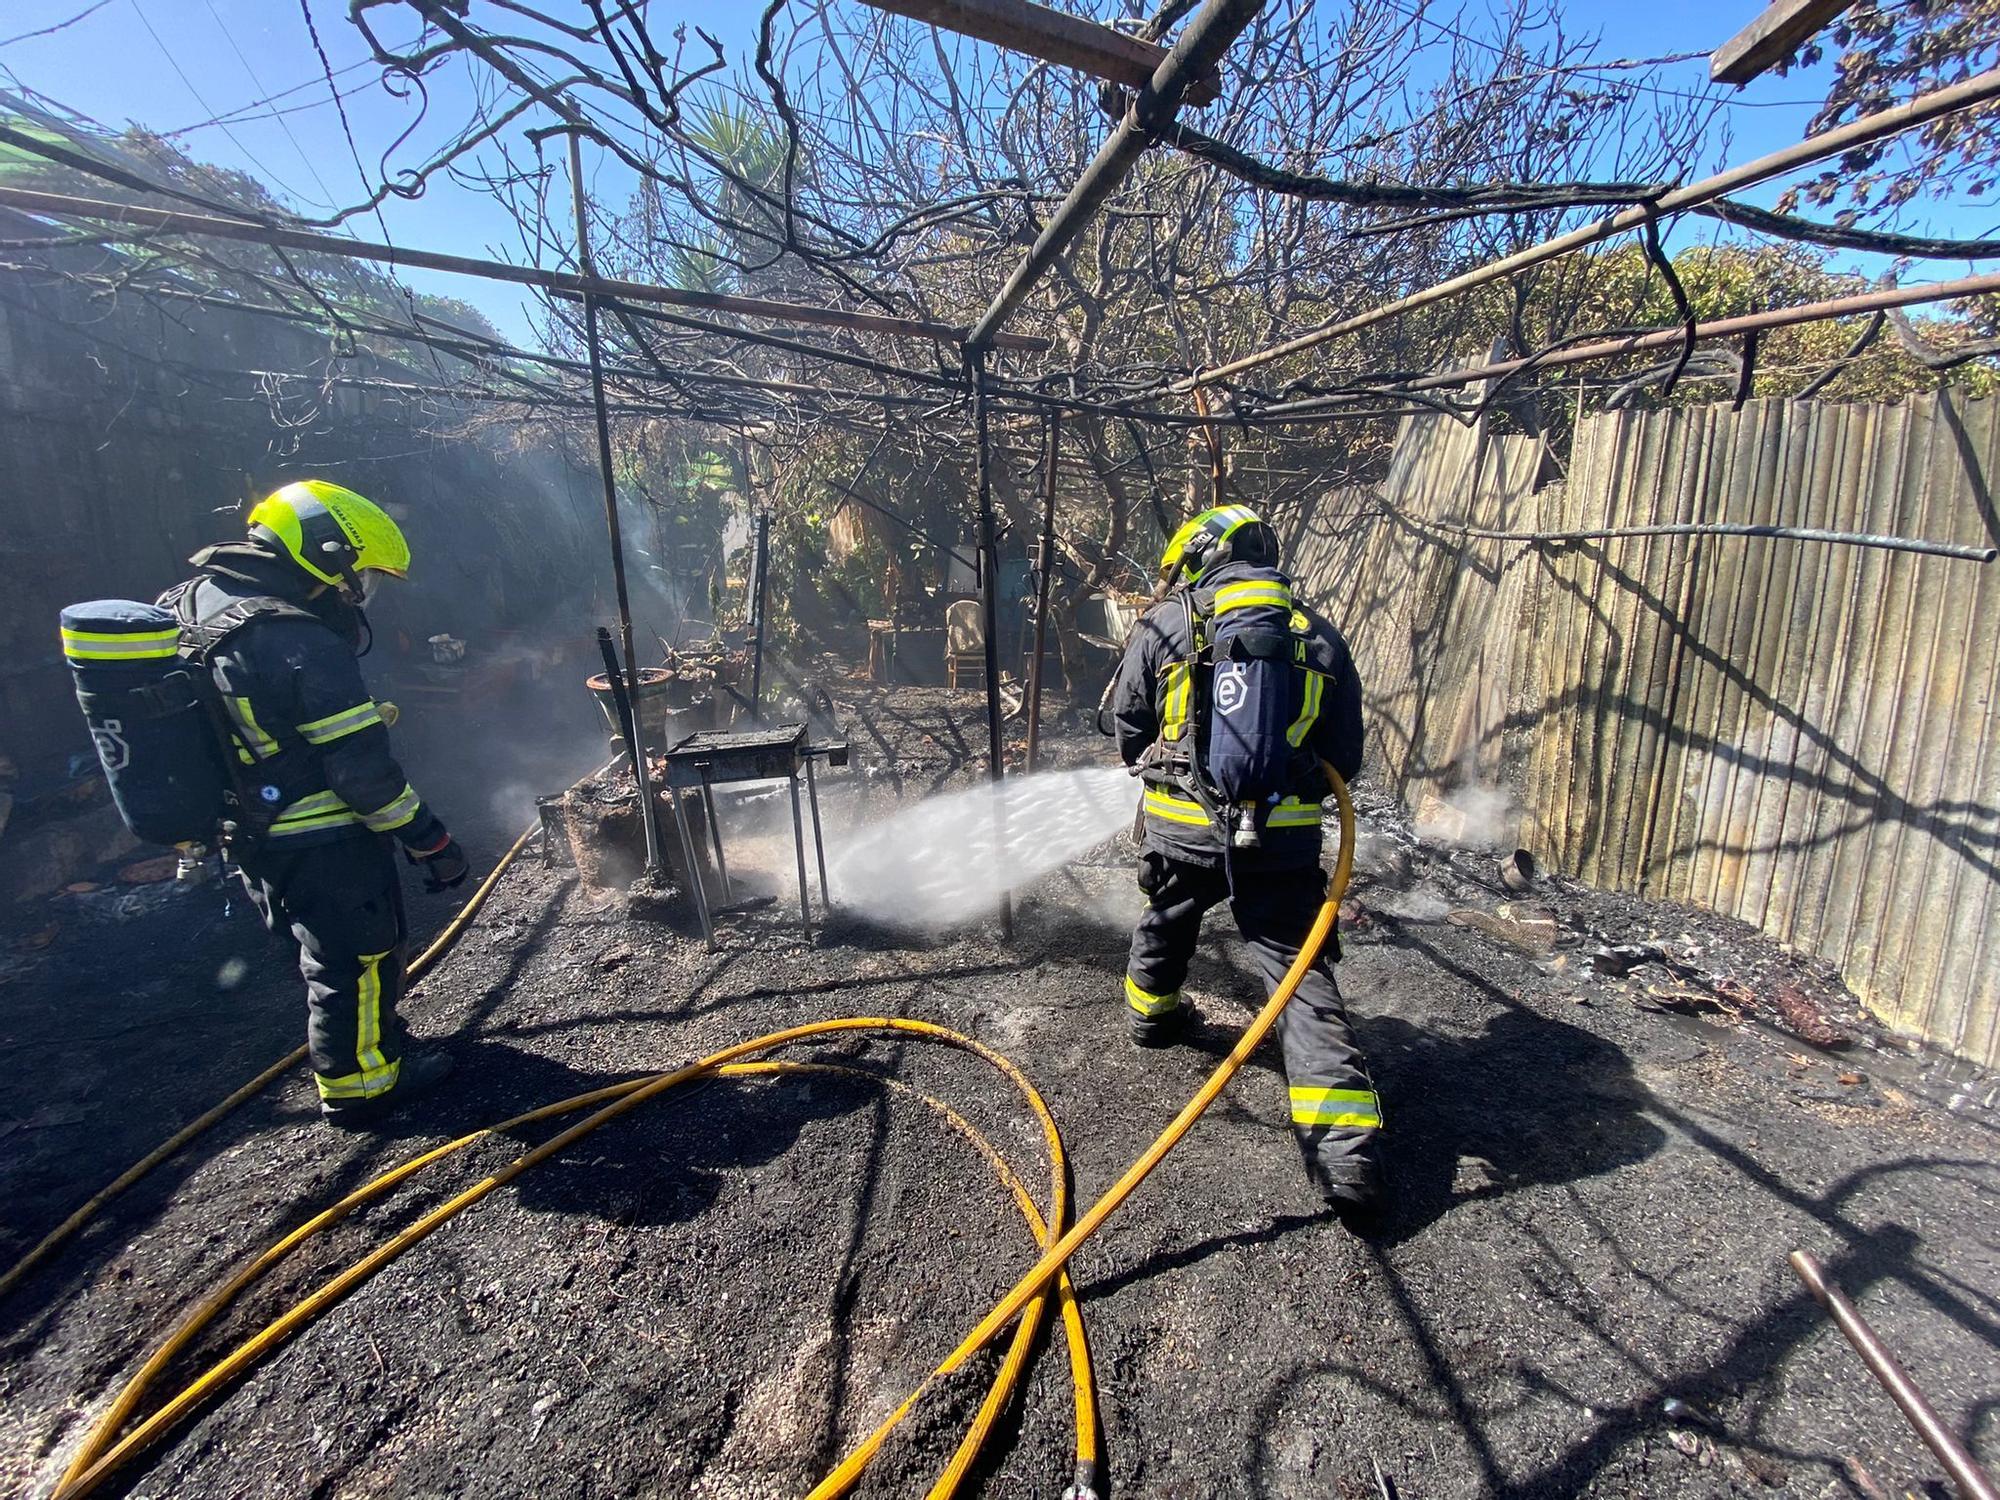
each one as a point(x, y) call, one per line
point(1799, 735)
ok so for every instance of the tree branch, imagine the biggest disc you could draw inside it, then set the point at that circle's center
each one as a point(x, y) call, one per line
point(1843, 237)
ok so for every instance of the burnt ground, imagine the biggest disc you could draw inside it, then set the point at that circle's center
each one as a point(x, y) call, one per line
point(1582, 1290)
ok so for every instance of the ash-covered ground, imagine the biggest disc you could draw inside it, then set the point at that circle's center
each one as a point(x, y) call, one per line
point(1582, 1290)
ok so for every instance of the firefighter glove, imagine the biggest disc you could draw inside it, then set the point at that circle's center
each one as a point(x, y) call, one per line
point(444, 866)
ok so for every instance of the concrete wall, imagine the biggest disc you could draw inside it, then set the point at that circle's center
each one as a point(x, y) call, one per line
point(129, 438)
point(1799, 735)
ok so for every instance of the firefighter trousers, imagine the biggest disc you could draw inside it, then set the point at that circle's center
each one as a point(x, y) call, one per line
point(1335, 1112)
point(343, 903)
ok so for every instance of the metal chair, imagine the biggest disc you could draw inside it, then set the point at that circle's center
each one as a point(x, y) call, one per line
point(964, 643)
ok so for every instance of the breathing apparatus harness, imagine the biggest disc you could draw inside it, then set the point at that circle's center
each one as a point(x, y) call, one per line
point(258, 789)
point(1236, 710)
point(180, 772)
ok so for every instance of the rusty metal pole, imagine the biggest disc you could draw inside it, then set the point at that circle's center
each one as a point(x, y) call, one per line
point(761, 567)
point(1965, 1472)
point(989, 614)
point(1045, 556)
point(641, 772)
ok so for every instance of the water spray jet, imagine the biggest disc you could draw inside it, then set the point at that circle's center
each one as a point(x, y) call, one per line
point(947, 861)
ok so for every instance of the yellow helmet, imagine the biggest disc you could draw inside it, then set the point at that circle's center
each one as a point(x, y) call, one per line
point(1208, 540)
point(331, 532)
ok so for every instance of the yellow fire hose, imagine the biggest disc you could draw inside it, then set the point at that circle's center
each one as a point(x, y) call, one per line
point(103, 1452)
point(419, 966)
point(1057, 1255)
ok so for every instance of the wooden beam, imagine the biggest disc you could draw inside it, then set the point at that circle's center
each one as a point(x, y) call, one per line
point(170, 221)
point(1783, 27)
point(1195, 54)
point(1053, 36)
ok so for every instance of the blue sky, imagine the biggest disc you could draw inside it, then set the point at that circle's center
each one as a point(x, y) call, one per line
point(172, 64)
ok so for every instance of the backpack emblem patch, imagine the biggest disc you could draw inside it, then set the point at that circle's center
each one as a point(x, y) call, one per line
point(112, 748)
point(1232, 687)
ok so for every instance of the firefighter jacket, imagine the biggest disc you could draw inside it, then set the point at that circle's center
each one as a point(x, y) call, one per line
point(1157, 707)
point(308, 738)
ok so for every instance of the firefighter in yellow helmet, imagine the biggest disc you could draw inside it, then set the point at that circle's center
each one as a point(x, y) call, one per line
point(278, 618)
point(1230, 694)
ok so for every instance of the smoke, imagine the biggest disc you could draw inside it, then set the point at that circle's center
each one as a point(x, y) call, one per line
point(482, 741)
point(512, 803)
point(1472, 817)
point(946, 860)
point(1409, 906)
point(664, 606)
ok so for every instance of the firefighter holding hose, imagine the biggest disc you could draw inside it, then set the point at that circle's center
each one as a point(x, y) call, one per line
point(1229, 696)
point(277, 621)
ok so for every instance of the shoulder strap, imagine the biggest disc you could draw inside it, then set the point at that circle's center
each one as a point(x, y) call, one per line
point(201, 638)
point(1199, 605)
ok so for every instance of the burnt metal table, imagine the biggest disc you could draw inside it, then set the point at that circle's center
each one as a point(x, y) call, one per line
point(715, 758)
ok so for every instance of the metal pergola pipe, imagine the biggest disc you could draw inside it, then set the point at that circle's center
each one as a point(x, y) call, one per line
point(1726, 528)
point(1658, 338)
point(1979, 89)
point(172, 221)
point(649, 809)
point(989, 617)
point(1970, 1479)
point(1045, 562)
point(1195, 53)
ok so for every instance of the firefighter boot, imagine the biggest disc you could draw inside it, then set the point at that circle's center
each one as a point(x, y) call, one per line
point(417, 1072)
point(1161, 1028)
point(1351, 1183)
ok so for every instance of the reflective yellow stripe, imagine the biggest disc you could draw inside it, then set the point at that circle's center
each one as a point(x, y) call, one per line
point(308, 825)
point(1308, 711)
point(261, 744)
point(314, 802)
point(347, 721)
point(1147, 1003)
point(1292, 813)
point(377, 1075)
point(104, 645)
point(114, 637)
point(368, 1043)
point(362, 1085)
point(1231, 517)
point(393, 815)
point(1164, 804)
point(1347, 1108)
point(312, 812)
point(1174, 701)
point(1258, 593)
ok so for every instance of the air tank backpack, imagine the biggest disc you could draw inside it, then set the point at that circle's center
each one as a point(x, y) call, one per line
point(1259, 694)
point(156, 719)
